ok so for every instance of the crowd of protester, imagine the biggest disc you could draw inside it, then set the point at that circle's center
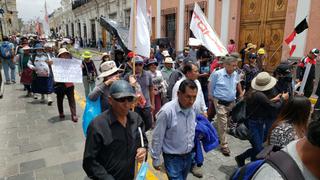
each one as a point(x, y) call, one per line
point(169, 97)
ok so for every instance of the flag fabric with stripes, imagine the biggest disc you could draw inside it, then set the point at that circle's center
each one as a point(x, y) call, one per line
point(303, 25)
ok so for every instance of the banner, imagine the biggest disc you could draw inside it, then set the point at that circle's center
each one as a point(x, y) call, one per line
point(67, 70)
point(142, 34)
point(203, 32)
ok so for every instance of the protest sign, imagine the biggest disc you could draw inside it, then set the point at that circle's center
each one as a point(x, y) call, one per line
point(67, 70)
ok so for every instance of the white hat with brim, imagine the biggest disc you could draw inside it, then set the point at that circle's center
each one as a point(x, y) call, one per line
point(194, 42)
point(63, 50)
point(165, 53)
point(168, 60)
point(263, 82)
point(108, 68)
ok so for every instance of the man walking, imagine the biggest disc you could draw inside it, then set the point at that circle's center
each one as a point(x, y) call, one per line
point(113, 140)
point(191, 72)
point(174, 132)
point(7, 55)
point(224, 85)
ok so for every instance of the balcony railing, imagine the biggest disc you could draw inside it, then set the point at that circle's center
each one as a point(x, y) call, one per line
point(78, 3)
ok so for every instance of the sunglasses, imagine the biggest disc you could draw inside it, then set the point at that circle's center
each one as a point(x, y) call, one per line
point(139, 64)
point(123, 99)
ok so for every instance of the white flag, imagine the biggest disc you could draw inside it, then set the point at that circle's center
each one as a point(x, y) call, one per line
point(203, 32)
point(142, 30)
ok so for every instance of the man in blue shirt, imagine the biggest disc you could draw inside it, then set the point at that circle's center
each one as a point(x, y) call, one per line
point(224, 85)
point(7, 58)
point(174, 132)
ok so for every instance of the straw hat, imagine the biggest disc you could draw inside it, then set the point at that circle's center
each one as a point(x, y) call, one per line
point(86, 54)
point(105, 54)
point(168, 60)
point(63, 50)
point(251, 46)
point(108, 68)
point(26, 48)
point(263, 82)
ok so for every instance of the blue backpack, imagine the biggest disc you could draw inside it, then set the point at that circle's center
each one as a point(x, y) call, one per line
point(6, 50)
point(281, 161)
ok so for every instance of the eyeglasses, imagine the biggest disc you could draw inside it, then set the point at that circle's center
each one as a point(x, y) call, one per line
point(123, 99)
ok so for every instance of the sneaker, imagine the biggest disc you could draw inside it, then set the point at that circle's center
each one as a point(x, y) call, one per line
point(225, 151)
point(7, 82)
point(49, 101)
point(35, 96)
point(197, 171)
point(13, 82)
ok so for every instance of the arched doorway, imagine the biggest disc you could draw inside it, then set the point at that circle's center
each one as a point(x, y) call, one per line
point(263, 21)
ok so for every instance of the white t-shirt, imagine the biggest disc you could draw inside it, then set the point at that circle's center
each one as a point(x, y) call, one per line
point(266, 172)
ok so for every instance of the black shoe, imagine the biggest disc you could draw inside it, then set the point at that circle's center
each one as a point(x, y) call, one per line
point(240, 161)
point(7, 82)
point(13, 82)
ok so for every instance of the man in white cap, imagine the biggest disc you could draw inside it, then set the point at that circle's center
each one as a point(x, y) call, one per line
point(301, 69)
point(167, 68)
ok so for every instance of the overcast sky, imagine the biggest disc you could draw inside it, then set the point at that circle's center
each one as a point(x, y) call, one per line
point(30, 9)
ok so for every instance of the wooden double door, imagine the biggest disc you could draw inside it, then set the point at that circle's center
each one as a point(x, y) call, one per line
point(263, 21)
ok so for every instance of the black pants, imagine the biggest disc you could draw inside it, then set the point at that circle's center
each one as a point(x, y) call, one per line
point(146, 116)
point(70, 95)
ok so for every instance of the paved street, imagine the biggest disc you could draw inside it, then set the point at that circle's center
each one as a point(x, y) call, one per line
point(35, 144)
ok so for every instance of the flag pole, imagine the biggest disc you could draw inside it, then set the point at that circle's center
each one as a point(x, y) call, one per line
point(134, 8)
point(275, 52)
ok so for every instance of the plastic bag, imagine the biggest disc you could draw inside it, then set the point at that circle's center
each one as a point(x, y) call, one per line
point(92, 110)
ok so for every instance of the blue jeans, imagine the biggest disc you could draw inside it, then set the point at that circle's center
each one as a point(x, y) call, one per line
point(177, 167)
point(259, 131)
point(7, 65)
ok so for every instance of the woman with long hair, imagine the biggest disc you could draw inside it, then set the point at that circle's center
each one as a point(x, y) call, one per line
point(291, 123)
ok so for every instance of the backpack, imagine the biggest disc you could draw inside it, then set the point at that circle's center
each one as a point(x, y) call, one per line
point(281, 161)
point(6, 50)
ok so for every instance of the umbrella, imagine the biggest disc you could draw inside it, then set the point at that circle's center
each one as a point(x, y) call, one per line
point(117, 30)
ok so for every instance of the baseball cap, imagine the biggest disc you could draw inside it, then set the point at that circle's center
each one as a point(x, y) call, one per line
point(120, 89)
point(137, 60)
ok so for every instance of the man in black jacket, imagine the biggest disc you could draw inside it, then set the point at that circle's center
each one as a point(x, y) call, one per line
point(113, 139)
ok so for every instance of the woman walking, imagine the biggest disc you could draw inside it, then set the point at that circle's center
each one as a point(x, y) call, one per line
point(42, 82)
point(62, 89)
point(24, 71)
point(89, 73)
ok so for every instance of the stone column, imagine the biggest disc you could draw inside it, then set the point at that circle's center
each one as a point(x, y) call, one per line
point(225, 21)
point(180, 26)
point(158, 19)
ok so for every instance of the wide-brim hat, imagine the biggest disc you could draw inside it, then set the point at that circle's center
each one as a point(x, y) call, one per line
point(86, 55)
point(236, 56)
point(26, 48)
point(108, 68)
point(263, 82)
point(63, 50)
point(105, 54)
point(168, 60)
point(250, 46)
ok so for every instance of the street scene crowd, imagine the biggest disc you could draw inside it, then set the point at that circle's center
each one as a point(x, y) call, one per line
point(189, 102)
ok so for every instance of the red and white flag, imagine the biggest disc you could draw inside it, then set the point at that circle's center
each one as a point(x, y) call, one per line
point(303, 25)
point(203, 32)
point(142, 33)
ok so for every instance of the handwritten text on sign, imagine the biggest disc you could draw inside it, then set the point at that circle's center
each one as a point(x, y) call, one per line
point(67, 70)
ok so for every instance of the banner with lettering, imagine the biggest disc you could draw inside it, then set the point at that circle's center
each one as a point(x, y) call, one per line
point(67, 70)
point(203, 32)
